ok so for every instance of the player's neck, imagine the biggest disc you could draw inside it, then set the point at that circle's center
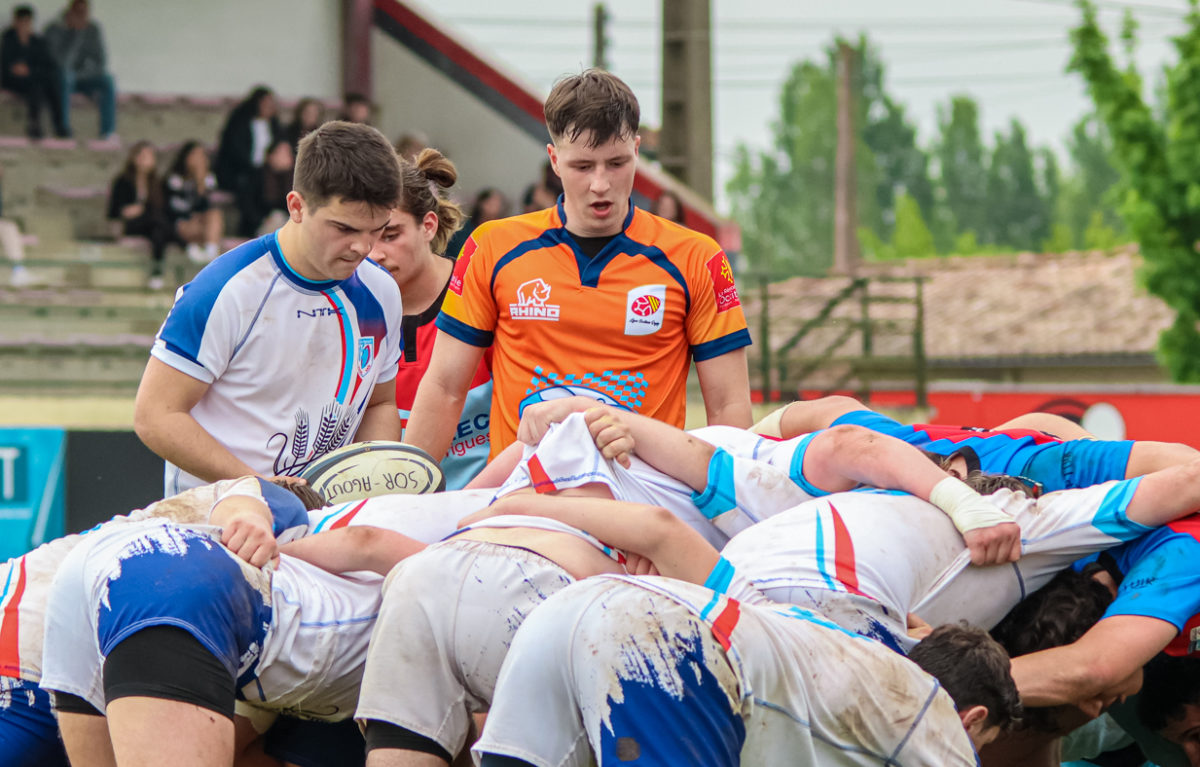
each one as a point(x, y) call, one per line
point(426, 285)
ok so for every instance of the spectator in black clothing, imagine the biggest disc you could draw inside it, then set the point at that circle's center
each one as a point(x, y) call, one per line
point(195, 221)
point(275, 181)
point(248, 133)
point(489, 205)
point(309, 115)
point(29, 71)
point(136, 202)
point(356, 108)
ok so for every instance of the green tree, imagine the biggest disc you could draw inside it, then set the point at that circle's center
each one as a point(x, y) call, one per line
point(961, 169)
point(1159, 161)
point(1017, 213)
point(911, 238)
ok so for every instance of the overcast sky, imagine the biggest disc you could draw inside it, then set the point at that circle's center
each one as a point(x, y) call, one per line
point(1010, 55)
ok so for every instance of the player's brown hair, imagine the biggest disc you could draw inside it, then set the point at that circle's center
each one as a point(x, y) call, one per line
point(973, 668)
point(593, 102)
point(311, 498)
point(422, 184)
point(347, 161)
point(1056, 614)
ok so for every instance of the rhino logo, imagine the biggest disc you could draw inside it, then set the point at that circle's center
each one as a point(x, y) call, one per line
point(531, 302)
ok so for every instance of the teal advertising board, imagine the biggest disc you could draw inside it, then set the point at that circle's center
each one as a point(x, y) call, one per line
point(32, 488)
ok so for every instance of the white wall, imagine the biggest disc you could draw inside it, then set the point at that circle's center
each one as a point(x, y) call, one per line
point(488, 149)
point(218, 47)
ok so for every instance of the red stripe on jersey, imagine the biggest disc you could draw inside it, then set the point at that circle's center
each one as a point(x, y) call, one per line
point(1186, 642)
point(538, 476)
point(845, 566)
point(722, 627)
point(960, 433)
point(345, 351)
point(10, 639)
point(345, 521)
point(1189, 525)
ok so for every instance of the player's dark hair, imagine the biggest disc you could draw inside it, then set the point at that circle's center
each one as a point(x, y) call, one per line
point(973, 668)
point(1168, 685)
point(1056, 614)
point(979, 481)
point(423, 182)
point(347, 161)
point(311, 498)
point(593, 102)
point(22, 12)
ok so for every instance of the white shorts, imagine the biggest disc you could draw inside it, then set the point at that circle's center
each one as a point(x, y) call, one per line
point(626, 669)
point(449, 614)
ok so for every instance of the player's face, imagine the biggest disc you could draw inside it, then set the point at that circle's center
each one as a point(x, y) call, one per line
point(403, 249)
point(597, 182)
point(1185, 732)
point(334, 238)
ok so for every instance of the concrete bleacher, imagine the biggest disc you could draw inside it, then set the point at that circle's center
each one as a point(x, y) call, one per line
point(76, 316)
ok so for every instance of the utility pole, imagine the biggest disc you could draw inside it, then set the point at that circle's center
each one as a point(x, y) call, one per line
point(686, 142)
point(845, 216)
point(600, 37)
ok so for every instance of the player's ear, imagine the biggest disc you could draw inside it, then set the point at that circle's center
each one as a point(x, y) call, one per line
point(295, 206)
point(550, 150)
point(974, 719)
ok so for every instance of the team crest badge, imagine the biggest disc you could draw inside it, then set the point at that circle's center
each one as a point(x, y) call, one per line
point(724, 290)
point(644, 309)
point(366, 354)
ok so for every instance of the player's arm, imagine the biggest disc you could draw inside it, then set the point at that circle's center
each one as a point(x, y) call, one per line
point(354, 548)
point(380, 419)
point(725, 387)
point(162, 418)
point(805, 417)
point(676, 549)
point(247, 528)
point(842, 457)
point(1166, 495)
point(1056, 425)
point(498, 469)
point(441, 394)
point(1094, 666)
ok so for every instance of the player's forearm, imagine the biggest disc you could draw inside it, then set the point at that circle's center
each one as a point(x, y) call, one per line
point(380, 421)
point(179, 439)
point(352, 549)
point(435, 415)
point(1054, 678)
point(734, 412)
point(652, 531)
point(845, 456)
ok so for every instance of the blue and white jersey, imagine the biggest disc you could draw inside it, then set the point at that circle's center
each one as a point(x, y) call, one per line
point(291, 363)
point(869, 557)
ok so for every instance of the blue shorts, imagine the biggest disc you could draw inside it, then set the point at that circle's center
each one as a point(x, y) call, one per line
point(28, 729)
point(1079, 463)
point(195, 585)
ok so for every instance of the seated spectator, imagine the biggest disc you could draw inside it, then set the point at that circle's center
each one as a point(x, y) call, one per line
point(489, 205)
point(136, 203)
point(28, 71)
point(77, 46)
point(309, 115)
point(275, 182)
point(357, 108)
point(252, 127)
point(195, 221)
point(669, 206)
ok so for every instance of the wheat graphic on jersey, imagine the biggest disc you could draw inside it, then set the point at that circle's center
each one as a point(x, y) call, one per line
point(294, 454)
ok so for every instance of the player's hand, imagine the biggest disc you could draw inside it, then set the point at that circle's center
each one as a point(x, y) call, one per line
point(918, 629)
point(250, 536)
point(995, 545)
point(537, 419)
point(610, 433)
point(288, 480)
point(636, 564)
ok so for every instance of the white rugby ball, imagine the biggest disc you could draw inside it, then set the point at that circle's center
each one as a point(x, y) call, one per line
point(379, 467)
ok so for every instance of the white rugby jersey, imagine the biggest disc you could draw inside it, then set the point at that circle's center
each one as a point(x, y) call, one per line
point(25, 580)
point(291, 363)
point(741, 490)
point(906, 555)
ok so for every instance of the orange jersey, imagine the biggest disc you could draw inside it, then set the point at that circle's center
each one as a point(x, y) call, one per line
point(621, 327)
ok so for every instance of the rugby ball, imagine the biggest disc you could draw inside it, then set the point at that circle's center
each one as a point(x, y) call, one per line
point(367, 469)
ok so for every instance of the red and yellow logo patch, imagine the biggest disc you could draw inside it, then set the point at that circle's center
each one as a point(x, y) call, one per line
point(724, 291)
